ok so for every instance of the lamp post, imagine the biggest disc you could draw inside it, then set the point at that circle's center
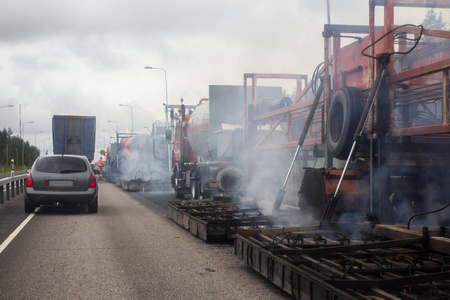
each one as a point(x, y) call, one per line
point(44, 144)
point(10, 105)
point(23, 143)
point(132, 126)
point(167, 108)
point(104, 142)
point(109, 135)
point(111, 121)
point(35, 144)
point(167, 97)
point(1, 161)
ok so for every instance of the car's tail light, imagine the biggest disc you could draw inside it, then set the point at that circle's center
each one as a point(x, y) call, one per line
point(92, 181)
point(29, 181)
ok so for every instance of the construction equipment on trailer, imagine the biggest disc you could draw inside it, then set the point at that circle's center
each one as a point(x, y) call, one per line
point(373, 151)
point(369, 136)
point(383, 114)
point(138, 162)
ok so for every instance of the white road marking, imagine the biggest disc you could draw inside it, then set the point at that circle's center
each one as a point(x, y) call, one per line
point(16, 232)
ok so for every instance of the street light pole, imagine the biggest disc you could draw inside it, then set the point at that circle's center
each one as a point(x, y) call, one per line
point(132, 126)
point(104, 142)
point(23, 143)
point(167, 97)
point(109, 135)
point(10, 105)
point(44, 144)
point(111, 121)
point(1, 161)
point(35, 144)
point(167, 116)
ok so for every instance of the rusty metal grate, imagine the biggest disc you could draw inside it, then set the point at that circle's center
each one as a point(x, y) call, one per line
point(331, 265)
point(215, 218)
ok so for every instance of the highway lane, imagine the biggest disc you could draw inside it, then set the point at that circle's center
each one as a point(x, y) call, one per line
point(129, 250)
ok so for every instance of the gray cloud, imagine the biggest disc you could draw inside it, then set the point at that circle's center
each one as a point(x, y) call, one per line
point(87, 56)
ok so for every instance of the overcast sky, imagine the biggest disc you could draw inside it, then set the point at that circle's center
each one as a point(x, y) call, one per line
point(85, 57)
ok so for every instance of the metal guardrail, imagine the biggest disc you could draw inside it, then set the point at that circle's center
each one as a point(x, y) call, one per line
point(14, 186)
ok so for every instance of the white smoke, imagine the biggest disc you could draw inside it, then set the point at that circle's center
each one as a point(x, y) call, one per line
point(142, 160)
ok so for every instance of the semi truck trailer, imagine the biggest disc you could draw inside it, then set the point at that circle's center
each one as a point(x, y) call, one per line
point(74, 135)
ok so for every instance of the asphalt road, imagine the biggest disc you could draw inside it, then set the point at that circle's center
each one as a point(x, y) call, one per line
point(129, 250)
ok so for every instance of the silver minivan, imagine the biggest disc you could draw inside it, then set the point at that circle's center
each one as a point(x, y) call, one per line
point(61, 179)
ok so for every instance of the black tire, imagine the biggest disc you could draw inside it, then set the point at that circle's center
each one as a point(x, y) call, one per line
point(178, 193)
point(175, 176)
point(344, 113)
point(28, 207)
point(93, 207)
point(176, 183)
point(196, 190)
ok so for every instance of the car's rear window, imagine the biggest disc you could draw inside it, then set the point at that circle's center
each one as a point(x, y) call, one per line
point(61, 165)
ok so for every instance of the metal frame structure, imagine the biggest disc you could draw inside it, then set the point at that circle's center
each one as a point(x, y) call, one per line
point(408, 126)
point(309, 263)
point(216, 218)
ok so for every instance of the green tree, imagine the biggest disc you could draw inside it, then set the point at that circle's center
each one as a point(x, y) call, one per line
point(433, 21)
point(11, 148)
point(15, 149)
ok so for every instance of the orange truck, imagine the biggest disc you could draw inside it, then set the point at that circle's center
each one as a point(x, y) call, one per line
point(208, 154)
point(196, 170)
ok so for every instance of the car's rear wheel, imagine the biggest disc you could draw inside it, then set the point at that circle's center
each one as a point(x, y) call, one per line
point(93, 207)
point(28, 207)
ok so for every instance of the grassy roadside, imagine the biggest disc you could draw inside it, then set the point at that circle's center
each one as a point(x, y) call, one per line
point(7, 169)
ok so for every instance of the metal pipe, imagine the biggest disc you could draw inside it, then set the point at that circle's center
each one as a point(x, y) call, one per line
point(301, 140)
point(169, 150)
point(23, 142)
point(305, 129)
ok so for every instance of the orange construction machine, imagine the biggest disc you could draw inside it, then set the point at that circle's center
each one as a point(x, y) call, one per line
point(371, 130)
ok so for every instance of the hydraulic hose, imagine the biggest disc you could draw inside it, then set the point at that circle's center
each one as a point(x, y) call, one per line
point(426, 212)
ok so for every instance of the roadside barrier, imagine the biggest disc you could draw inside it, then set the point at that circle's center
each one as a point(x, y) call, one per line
point(11, 187)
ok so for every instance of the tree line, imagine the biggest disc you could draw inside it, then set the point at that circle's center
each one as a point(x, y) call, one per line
point(11, 148)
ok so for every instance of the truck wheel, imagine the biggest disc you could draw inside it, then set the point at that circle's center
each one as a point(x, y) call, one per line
point(343, 117)
point(196, 190)
point(176, 176)
point(178, 194)
point(176, 183)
